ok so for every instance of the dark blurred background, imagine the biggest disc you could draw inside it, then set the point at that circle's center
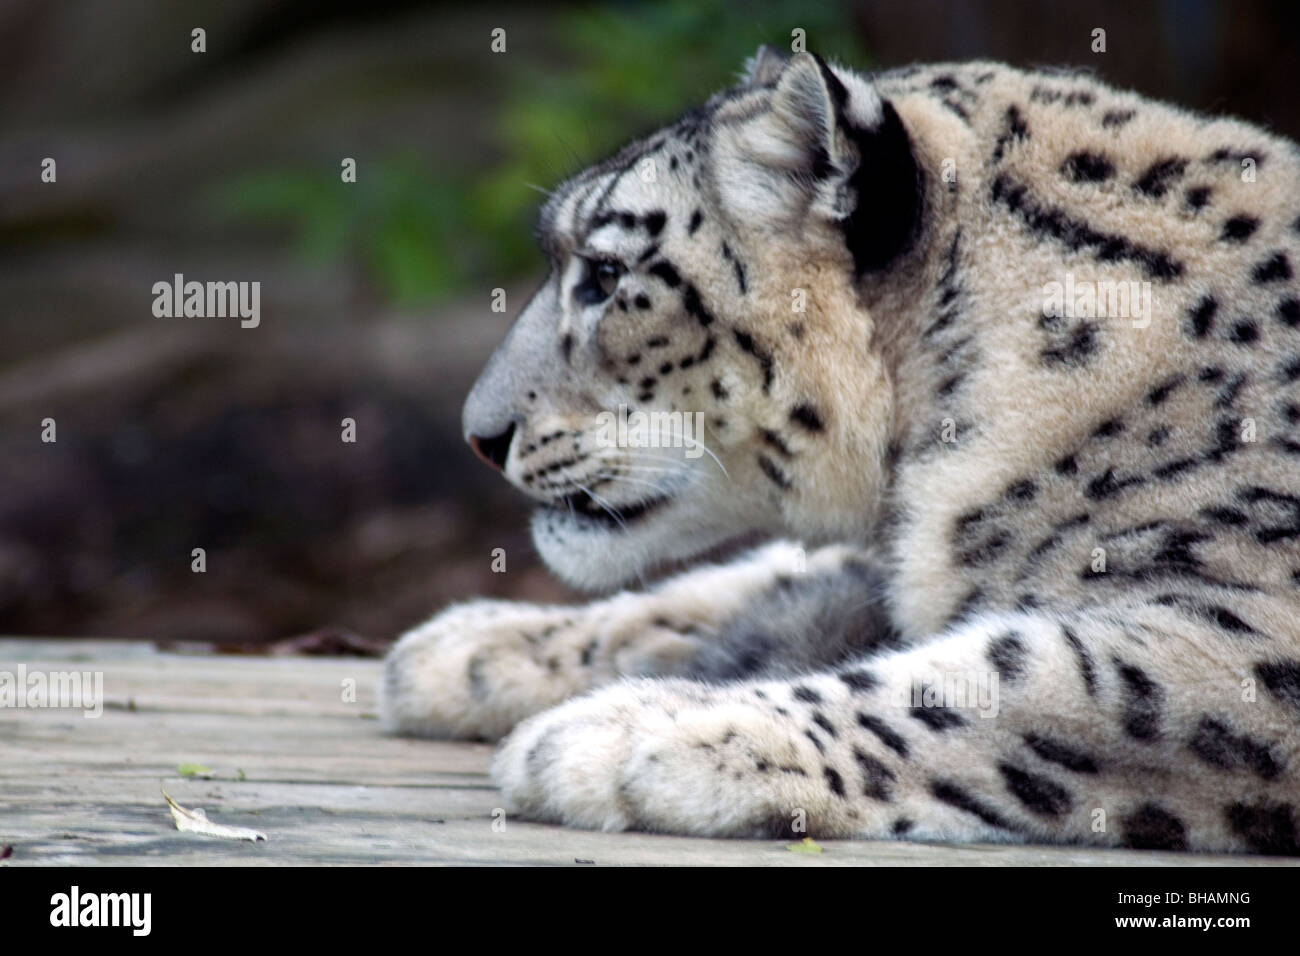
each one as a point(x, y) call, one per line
point(175, 434)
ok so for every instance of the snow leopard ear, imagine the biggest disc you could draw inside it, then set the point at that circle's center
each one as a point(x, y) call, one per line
point(764, 66)
point(830, 143)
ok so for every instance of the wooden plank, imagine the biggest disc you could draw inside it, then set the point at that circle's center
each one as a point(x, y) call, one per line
point(294, 758)
point(138, 677)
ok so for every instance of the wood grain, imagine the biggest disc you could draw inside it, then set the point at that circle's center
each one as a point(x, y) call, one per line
point(294, 759)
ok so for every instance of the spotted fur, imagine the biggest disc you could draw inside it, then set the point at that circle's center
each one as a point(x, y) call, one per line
point(1095, 516)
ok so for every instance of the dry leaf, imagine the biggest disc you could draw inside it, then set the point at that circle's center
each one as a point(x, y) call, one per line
point(196, 821)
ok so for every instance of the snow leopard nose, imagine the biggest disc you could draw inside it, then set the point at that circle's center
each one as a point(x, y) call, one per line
point(520, 371)
point(495, 450)
point(489, 420)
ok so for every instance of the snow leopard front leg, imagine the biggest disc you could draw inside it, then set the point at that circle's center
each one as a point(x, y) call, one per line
point(1150, 727)
point(478, 669)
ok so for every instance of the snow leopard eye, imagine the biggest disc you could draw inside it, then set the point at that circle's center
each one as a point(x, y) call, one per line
point(599, 281)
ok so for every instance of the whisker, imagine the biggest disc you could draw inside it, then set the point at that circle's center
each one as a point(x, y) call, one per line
point(708, 451)
point(605, 505)
point(645, 468)
point(635, 481)
point(679, 470)
point(652, 456)
point(695, 443)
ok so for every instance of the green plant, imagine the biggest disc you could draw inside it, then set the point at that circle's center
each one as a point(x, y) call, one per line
point(633, 66)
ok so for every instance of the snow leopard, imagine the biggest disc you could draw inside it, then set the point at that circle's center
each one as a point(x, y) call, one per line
point(990, 526)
